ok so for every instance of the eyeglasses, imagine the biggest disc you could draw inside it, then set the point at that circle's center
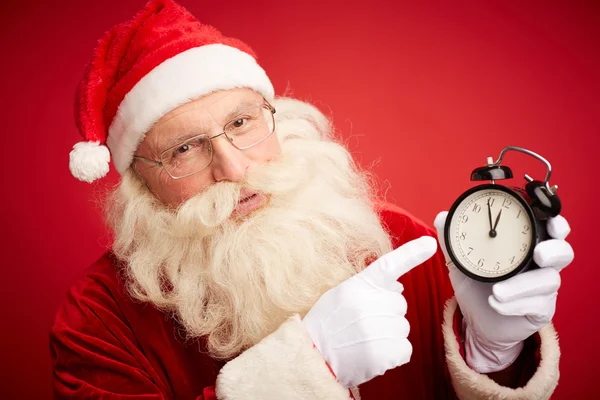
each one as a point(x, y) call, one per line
point(191, 156)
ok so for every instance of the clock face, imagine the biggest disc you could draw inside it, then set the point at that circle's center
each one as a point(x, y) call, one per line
point(490, 233)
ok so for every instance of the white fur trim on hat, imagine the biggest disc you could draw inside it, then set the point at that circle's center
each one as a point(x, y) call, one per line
point(178, 80)
point(88, 161)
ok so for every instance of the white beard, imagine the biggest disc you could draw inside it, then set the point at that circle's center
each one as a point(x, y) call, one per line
point(235, 281)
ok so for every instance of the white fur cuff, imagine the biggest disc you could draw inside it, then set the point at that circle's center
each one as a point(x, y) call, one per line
point(284, 365)
point(469, 384)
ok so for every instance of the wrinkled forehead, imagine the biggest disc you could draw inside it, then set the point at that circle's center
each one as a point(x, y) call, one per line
point(215, 109)
point(204, 115)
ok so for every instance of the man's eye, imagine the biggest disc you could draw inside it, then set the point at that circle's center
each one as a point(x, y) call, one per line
point(181, 149)
point(239, 122)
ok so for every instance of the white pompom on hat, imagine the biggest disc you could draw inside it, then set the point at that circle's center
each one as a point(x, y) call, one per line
point(144, 68)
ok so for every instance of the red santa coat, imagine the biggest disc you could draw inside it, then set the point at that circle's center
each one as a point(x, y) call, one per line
point(104, 345)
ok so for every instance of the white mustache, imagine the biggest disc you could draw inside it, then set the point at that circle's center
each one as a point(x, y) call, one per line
point(215, 205)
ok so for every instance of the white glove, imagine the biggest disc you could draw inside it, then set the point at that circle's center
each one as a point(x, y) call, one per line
point(498, 317)
point(359, 326)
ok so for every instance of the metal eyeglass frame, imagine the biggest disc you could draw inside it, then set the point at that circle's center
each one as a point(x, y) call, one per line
point(160, 164)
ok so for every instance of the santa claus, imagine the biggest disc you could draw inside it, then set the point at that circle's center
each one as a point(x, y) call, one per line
point(252, 259)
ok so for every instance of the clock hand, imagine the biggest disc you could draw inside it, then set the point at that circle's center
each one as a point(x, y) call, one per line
point(492, 230)
point(497, 219)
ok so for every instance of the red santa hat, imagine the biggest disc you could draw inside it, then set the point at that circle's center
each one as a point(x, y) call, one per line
point(144, 68)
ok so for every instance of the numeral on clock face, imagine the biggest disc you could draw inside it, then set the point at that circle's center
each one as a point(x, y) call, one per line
point(523, 247)
point(506, 203)
point(476, 208)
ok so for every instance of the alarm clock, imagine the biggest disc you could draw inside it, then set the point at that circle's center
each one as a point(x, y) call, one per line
point(492, 229)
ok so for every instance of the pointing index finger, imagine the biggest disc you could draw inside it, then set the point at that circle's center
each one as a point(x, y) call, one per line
point(387, 269)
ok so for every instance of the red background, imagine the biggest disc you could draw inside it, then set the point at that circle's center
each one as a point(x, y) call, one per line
point(422, 94)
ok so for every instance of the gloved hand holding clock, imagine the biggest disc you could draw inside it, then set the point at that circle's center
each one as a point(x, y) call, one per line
point(505, 249)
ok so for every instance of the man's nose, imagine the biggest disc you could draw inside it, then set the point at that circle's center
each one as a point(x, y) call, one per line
point(229, 163)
